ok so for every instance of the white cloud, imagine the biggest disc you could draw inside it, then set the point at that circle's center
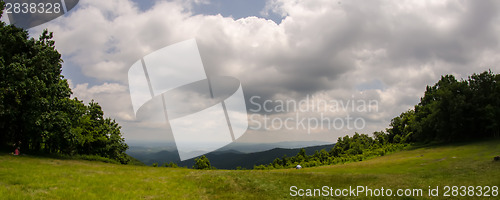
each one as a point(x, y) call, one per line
point(328, 47)
point(113, 98)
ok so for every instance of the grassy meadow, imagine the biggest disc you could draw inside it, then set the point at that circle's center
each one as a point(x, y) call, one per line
point(27, 177)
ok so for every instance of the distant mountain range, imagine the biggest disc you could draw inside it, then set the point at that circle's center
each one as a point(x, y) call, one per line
point(231, 156)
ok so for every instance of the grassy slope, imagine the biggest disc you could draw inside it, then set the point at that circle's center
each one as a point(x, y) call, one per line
point(30, 177)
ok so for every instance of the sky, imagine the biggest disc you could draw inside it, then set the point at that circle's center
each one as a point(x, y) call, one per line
point(344, 54)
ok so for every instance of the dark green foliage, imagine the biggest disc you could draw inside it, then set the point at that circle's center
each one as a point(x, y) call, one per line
point(171, 165)
point(347, 149)
point(96, 135)
point(202, 163)
point(36, 112)
point(451, 111)
point(402, 129)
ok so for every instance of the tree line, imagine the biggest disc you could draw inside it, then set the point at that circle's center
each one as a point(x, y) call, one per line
point(347, 149)
point(36, 111)
point(450, 111)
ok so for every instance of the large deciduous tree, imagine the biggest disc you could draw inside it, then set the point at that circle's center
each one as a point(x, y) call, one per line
point(453, 110)
point(36, 112)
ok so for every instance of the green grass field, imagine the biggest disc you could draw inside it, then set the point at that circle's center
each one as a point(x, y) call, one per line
point(25, 177)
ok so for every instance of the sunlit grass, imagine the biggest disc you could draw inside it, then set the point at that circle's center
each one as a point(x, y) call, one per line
point(25, 177)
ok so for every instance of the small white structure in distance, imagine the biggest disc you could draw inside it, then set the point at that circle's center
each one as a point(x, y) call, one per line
point(298, 167)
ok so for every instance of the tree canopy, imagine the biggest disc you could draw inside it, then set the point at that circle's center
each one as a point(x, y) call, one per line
point(36, 111)
point(453, 110)
point(202, 163)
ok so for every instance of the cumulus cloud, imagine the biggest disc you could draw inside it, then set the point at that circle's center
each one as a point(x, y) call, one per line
point(113, 98)
point(382, 50)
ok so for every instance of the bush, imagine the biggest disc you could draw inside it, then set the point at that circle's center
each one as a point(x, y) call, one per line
point(202, 163)
point(171, 165)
